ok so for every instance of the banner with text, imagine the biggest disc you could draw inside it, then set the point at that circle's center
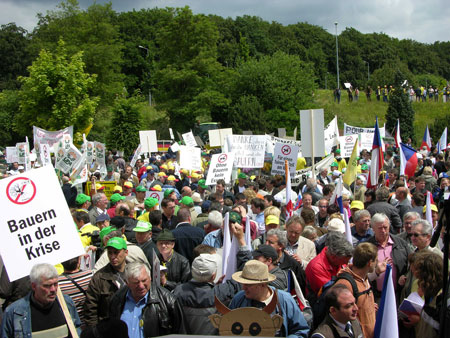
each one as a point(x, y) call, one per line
point(248, 150)
point(349, 130)
point(49, 137)
point(346, 145)
point(190, 158)
point(282, 153)
point(220, 168)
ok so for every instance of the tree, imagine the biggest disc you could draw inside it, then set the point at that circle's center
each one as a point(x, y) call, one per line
point(400, 108)
point(9, 107)
point(125, 125)
point(56, 94)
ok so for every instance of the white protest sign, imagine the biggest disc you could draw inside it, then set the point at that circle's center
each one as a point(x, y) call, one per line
point(100, 154)
point(69, 160)
point(148, 141)
point(37, 226)
point(190, 158)
point(217, 137)
point(136, 155)
point(171, 134)
point(44, 152)
point(41, 136)
point(11, 155)
point(282, 153)
point(67, 142)
point(159, 195)
point(220, 168)
point(365, 141)
point(331, 134)
point(272, 140)
point(303, 174)
point(189, 139)
point(347, 84)
point(281, 132)
point(346, 145)
point(248, 150)
point(175, 147)
point(312, 132)
point(90, 152)
point(23, 151)
point(349, 130)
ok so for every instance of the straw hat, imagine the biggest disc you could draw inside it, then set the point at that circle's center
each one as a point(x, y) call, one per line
point(254, 272)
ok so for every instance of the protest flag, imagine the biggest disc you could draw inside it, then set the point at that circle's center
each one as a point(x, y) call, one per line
point(426, 142)
point(296, 291)
point(336, 198)
point(230, 249)
point(397, 137)
point(442, 144)
point(386, 322)
point(352, 168)
point(408, 160)
point(289, 206)
point(377, 160)
point(299, 202)
point(248, 235)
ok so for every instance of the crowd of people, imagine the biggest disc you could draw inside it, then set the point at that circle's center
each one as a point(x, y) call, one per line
point(158, 266)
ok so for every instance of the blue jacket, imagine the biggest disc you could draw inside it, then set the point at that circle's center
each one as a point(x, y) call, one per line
point(294, 324)
point(17, 318)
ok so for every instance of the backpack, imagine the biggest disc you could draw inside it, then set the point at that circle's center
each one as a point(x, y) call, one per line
point(319, 308)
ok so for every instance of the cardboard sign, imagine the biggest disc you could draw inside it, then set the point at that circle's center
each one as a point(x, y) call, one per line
point(272, 140)
point(217, 137)
point(41, 136)
point(190, 158)
point(331, 134)
point(282, 153)
point(189, 139)
point(281, 132)
point(365, 141)
point(347, 85)
point(37, 226)
point(220, 168)
point(346, 145)
point(69, 160)
point(148, 141)
point(100, 154)
point(248, 150)
point(44, 154)
point(312, 132)
point(349, 130)
point(109, 187)
point(22, 152)
point(11, 155)
point(175, 147)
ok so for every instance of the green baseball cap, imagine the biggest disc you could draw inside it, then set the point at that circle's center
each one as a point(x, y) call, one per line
point(338, 151)
point(82, 198)
point(165, 235)
point(105, 231)
point(116, 198)
point(186, 200)
point(150, 202)
point(364, 167)
point(117, 243)
point(167, 192)
point(142, 226)
point(202, 183)
point(141, 188)
point(242, 175)
point(334, 164)
point(235, 217)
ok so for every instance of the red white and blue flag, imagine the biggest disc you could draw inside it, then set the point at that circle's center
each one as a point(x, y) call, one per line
point(289, 205)
point(408, 160)
point(442, 144)
point(377, 160)
point(299, 202)
point(397, 136)
point(426, 142)
point(386, 323)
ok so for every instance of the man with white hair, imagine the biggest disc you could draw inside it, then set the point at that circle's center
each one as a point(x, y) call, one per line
point(37, 314)
point(149, 310)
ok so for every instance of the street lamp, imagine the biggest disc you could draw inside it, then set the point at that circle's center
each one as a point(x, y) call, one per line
point(149, 89)
point(337, 56)
point(367, 71)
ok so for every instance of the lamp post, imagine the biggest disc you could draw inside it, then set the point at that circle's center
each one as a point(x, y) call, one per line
point(367, 71)
point(337, 56)
point(149, 89)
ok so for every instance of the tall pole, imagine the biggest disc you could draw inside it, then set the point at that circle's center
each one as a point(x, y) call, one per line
point(149, 88)
point(337, 57)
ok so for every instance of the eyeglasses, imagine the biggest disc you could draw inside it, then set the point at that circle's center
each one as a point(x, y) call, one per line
point(323, 206)
point(417, 235)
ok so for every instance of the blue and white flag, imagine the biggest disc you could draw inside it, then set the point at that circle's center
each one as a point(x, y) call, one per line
point(386, 323)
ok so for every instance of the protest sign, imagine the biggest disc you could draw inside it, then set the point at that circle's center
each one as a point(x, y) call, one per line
point(69, 159)
point(159, 195)
point(331, 134)
point(248, 150)
point(282, 153)
point(41, 136)
point(38, 226)
point(189, 139)
point(190, 158)
point(272, 140)
point(220, 168)
point(100, 154)
point(136, 155)
point(303, 174)
point(365, 141)
point(346, 145)
point(171, 134)
point(109, 187)
point(44, 154)
point(23, 151)
point(217, 137)
point(312, 133)
point(11, 155)
point(349, 130)
point(79, 175)
point(281, 132)
point(347, 85)
point(90, 152)
point(175, 147)
point(148, 141)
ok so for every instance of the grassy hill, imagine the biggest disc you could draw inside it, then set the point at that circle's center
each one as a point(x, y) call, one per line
point(362, 113)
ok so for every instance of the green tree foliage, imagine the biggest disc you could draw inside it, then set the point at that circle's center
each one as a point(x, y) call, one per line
point(14, 57)
point(438, 127)
point(125, 125)
point(9, 107)
point(56, 94)
point(400, 108)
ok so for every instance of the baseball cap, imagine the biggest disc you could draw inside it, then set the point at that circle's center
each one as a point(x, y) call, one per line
point(196, 197)
point(128, 185)
point(102, 217)
point(167, 192)
point(235, 217)
point(118, 188)
point(433, 208)
point(364, 167)
point(338, 151)
point(98, 186)
point(141, 188)
point(162, 174)
point(82, 198)
point(150, 202)
point(204, 265)
point(334, 164)
point(242, 175)
point(186, 200)
point(202, 184)
point(142, 226)
point(156, 187)
point(336, 224)
point(117, 243)
point(105, 231)
point(357, 205)
point(172, 178)
point(266, 251)
point(116, 198)
point(272, 219)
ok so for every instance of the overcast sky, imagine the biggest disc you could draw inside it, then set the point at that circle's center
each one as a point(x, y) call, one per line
point(421, 20)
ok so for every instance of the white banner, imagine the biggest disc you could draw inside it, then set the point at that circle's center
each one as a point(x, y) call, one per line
point(37, 224)
point(282, 153)
point(148, 141)
point(331, 134)
point(49, 137)
point(220, 168)
point(272, 140)
point(100, 154)
point(69, 160)
point(248, 150)
point(22, 152)
point(189, 139)
point(308, 128)
point(90, 152)
point(217, 137)
point(136, 155)
point(366, 141)
point(11, 155)
point(346, 145)
point(303, 174)
point(190, 158)
point(349, 130)
point(44, 152)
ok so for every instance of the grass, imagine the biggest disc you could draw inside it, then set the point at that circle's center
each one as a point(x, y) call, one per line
point(362, 113)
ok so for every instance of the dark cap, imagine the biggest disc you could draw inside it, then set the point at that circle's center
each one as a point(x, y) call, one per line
point(235, 217)
point(165, 235)
point(266, 251)
point(102, 217)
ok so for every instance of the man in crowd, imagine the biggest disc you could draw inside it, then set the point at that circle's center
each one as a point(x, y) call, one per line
point(382, 206)
point(299, 247)
point(321, 217)
point(187, 237)
point(168, 217)
point(406, 234)
point(362, 231)
point(38, 314)
point(143, 231)
point(99, 205)
point(148, 309)
point(404, 205)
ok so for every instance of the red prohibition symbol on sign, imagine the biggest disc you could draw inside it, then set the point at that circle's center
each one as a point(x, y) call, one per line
point(348, 139)
point(286, 150)
point(222, 158)
point(21, 190)
point(154, 195)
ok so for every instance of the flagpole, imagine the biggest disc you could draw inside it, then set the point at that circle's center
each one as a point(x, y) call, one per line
point(312, 142)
